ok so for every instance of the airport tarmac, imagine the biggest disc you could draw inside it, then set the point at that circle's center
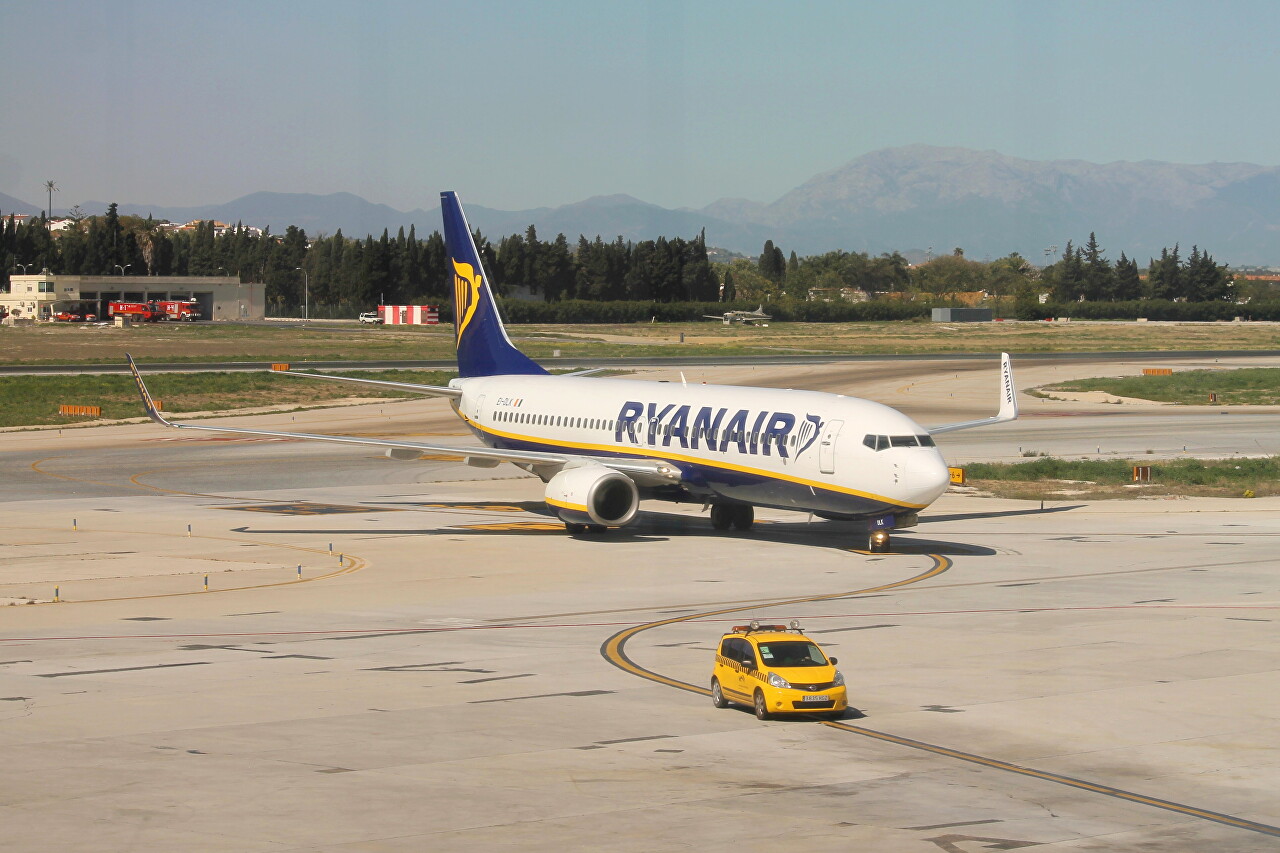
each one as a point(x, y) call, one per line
point(400, 656)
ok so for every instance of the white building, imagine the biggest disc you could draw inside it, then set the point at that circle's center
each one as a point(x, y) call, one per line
point(41, 297)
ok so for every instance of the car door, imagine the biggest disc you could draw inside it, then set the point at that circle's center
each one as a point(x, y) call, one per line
point(747, 656)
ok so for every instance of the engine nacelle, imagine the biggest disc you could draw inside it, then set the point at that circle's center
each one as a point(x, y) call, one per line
point(593, 494)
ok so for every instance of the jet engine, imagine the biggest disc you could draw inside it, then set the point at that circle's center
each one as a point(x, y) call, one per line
point(593, 494)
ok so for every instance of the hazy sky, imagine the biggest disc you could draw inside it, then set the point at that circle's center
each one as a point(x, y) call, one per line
point(525, 104)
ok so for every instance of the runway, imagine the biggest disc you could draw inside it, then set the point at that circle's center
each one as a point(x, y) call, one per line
point(396, 656)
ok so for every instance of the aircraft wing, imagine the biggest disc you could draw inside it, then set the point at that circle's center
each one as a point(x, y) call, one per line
point(1008, 402)
point(644, 471)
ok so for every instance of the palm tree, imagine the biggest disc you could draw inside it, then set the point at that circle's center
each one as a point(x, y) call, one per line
point(52, 188)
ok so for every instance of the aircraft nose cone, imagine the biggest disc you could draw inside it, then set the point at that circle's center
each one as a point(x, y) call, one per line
point(927, 479)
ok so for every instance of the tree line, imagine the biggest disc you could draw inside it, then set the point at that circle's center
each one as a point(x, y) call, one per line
point(1085, 275)
point(340, 274)
point(345, 273)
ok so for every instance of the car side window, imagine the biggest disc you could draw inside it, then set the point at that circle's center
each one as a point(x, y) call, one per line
point(748, 654)
point(729, 649)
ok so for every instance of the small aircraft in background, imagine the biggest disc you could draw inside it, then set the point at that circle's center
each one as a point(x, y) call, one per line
point(746, 318)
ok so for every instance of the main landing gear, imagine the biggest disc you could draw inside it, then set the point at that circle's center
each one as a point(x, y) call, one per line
point(737, 516)
point(576, 529)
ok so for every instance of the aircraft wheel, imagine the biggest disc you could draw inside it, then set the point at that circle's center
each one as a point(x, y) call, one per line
point(878, 542)
point(717, 695)
point(597, 529)
point(721, 516)
point(744, 517)
point(574, 528)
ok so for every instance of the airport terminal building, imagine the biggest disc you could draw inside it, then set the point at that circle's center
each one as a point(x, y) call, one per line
point(42, 296)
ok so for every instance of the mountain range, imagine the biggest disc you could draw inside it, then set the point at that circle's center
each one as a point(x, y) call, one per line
point(913, 199)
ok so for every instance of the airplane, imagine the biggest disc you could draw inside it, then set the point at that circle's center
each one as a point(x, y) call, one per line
point(746, 318)
point(601, 445)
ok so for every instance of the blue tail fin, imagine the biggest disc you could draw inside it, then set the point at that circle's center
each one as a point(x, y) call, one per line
point(483, 346)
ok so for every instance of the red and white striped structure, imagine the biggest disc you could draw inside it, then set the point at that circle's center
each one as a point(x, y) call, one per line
point(409, 315)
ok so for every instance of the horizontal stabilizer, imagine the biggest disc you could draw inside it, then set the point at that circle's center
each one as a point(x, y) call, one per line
point(428, 390)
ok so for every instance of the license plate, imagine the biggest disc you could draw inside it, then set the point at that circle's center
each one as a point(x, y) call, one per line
point(816, 699)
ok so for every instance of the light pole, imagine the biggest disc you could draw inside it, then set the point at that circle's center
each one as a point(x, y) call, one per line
point(306, 294)
point(122, 268)
point(24, 266)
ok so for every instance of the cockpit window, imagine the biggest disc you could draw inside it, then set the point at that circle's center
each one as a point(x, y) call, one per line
point(883, 442)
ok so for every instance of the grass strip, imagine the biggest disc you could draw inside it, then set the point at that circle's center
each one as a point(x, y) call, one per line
point(1246, 386)
point(1049, 476)
point(70, 344)
point(34, 400)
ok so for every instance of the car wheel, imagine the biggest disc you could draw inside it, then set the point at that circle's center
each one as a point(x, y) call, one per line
point(762, 710)
point(717, 695)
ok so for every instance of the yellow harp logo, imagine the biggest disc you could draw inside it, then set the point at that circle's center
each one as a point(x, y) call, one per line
point(466, 294)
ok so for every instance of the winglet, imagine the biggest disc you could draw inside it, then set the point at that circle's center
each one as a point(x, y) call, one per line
point(147, 401)
point(1009, 393)
point(1008, 402)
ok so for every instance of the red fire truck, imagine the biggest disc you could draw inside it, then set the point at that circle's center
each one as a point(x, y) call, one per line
point(142, 312)
point(177, 309)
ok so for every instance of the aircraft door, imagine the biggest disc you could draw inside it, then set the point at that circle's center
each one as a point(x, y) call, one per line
point(479, 413)
point(827, 447)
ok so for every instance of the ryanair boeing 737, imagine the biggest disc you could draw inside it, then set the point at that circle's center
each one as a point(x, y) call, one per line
point(602, 445)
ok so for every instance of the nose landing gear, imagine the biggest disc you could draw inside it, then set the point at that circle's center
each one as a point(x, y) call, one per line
point(878, 542)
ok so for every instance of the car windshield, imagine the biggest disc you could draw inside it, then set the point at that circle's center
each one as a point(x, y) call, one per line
point(792, 653)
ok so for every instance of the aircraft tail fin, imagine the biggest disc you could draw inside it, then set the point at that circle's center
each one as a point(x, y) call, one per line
point(483, 346)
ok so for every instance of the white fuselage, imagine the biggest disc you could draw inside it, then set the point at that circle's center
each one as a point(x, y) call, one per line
point(803, 450)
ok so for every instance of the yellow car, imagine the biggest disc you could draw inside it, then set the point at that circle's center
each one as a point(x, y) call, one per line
point(776, 669)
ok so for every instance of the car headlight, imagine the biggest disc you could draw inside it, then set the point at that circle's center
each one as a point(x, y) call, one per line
point(776, 680)
point(839, 682)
